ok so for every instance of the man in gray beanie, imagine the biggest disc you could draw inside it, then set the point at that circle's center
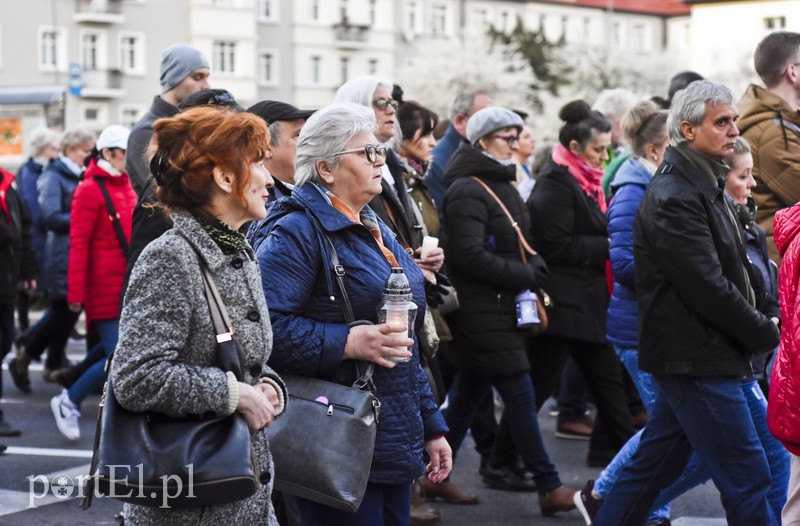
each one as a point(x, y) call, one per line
point(183, 71)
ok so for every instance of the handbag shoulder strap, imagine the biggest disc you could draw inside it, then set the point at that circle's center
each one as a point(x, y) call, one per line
point(114, 217)
point(523, 245)
point(365, 369)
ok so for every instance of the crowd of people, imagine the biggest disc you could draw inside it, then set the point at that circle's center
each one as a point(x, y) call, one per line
point(652, 232)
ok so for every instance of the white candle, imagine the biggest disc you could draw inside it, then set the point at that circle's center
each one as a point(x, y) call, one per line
point(428, 244)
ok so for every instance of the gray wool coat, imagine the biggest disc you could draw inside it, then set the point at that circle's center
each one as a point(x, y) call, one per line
point(165, 355)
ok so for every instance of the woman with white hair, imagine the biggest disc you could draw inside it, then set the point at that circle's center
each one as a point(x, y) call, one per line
point(393, 204)
point(44, 146)
point(56, 187)
point(338, 172)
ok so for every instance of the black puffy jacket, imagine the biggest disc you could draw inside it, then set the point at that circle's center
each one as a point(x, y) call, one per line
point(16, 252)
point(485, 264)
point(692, 279)
point(571, 233)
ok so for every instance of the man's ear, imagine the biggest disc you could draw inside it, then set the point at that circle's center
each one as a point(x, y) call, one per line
point(688, 130)
point(324, 171)
point(223, 179)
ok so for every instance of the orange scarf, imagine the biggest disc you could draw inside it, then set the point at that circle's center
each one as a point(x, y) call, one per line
point(367, 222)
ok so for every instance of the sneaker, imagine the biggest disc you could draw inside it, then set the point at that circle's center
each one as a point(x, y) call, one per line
point(7, 430)
point(67, 415)
point(587, 503)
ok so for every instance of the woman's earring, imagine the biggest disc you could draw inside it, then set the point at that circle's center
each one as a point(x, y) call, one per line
point(655, 157)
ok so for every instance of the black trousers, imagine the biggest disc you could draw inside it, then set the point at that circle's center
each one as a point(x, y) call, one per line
point(603, 372)
point(52, 331)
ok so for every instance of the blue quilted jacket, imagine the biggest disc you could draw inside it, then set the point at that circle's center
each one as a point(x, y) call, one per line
point(309, 330)
point(56, 186)
point(629, 185)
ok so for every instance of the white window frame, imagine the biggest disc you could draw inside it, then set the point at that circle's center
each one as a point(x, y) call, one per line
point(100, 49)
point(274, 79)
point(59, 51)
point(102, 115)
point(139, 67)
point(224, 59)
point(123, 108)
point(344, 69)
point(315, 70)
point(274, 10)
point(439, 15)
point(412, 17)
point(314, 10)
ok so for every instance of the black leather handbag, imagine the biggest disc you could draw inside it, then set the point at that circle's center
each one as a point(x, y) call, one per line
point(322, 446)
point(151, 459)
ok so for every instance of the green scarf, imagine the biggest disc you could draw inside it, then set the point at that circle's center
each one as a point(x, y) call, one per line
point(227, 239)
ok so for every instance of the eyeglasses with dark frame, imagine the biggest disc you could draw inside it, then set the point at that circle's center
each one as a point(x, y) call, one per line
point(382, 104)
point(370, 152)
point(510, 139)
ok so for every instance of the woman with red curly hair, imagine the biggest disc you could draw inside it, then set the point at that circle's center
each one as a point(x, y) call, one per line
point(208, 163)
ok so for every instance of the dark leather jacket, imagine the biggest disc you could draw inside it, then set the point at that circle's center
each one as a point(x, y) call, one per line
point(696, 314)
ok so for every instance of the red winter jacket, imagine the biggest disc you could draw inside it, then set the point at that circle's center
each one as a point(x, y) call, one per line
point(96, 260)
point(783, 409)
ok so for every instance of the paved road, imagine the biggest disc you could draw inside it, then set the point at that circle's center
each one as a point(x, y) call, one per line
point(42, 453)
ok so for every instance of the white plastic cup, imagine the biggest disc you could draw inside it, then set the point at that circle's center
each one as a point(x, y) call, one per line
point(428, 244)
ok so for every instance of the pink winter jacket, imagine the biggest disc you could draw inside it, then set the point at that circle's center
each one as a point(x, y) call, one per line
point(783, 409)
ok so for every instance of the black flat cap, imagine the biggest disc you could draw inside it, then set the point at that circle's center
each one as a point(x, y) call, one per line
point(273, 110)
point(210, 97)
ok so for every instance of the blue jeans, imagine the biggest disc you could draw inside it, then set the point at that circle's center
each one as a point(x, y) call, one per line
point(95, 376)
point(709, 415)
point(647, 388)
point(777, 457)
point(520, 411)
point(383, 505)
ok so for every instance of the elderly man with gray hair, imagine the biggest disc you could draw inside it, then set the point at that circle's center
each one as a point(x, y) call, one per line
point(463, 107)
point(700, 321)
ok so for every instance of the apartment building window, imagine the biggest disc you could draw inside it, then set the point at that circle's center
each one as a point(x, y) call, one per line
point(224, 3)
point(268, 67)
point(268, 10)
point(224, 56)
point(774, 23)
point(313, 9)
point(616, 33)
point(344, 64)
point(504, 17)
point(639, 37)
point(480, 20)
point(438, 19)
point(93, 116)
point(564, 28)
point(131, 53)
point(372, 66)
point(343, 10)
point(89, 51)
point(372, 14)
point(412, 16)
point(130, 115)
point(52, 48)
point(315, 66)
point(542, 20)
point(587, 28)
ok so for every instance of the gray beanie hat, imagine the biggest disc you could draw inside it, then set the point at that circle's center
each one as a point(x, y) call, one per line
point(178, 62)
point(491, 119)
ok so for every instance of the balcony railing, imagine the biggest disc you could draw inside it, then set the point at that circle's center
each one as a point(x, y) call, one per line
point(98, 11)
point(99, 83)
point(344, 31)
